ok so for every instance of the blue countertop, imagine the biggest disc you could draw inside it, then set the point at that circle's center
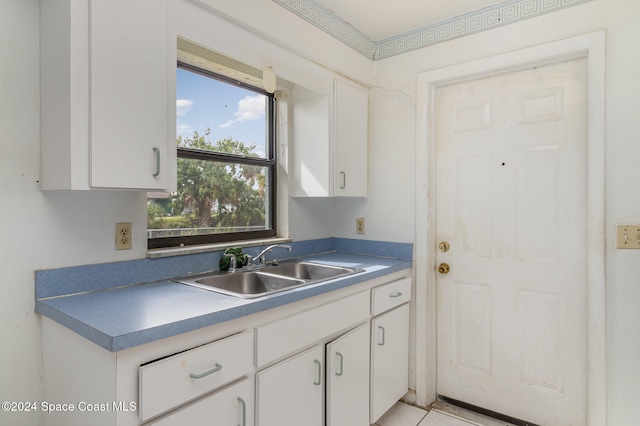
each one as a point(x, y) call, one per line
point(131, 315)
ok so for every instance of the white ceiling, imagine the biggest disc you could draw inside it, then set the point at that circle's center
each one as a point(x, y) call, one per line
point(380, 19)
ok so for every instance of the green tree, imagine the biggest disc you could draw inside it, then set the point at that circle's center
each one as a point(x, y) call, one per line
point(218, 194)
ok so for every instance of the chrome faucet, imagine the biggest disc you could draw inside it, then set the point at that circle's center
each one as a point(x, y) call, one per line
point(262, 256)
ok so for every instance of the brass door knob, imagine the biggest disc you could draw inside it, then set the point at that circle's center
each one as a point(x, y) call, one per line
point(444, 268)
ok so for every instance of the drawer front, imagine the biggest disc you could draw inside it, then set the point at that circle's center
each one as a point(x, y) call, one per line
point(172, 381)
point(282, 337)
point(232, 405)
point(388, 296)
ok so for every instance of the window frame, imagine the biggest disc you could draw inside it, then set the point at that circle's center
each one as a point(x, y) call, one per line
point(269, 161)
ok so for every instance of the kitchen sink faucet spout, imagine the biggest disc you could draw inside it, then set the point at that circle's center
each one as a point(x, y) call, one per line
point(262, 256)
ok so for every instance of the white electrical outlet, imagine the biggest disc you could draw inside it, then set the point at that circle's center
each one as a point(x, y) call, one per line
point(123, 236)
point(360, 225)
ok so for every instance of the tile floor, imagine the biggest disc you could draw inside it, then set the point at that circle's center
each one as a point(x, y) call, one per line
point(441, 414)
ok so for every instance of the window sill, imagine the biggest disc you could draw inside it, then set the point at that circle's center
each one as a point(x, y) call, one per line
point(180, 251)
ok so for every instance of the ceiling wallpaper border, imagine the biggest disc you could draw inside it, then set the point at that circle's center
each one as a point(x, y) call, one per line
point(501, 14)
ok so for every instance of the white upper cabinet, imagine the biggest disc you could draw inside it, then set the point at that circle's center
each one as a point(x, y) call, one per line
point(350, 122)
point(328, 156)
point(107, 95)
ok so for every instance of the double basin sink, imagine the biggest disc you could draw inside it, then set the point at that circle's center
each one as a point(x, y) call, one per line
point(267, 280)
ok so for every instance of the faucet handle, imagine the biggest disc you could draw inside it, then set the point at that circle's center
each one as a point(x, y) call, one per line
point(232, 261)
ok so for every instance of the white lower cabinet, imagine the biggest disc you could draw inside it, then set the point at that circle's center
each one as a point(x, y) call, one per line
point(347, 360)
point(340, 360)
point(389, 359)
point(231, 406)
point(291, 393)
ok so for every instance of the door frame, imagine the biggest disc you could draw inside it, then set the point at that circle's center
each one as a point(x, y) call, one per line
point(592, 47)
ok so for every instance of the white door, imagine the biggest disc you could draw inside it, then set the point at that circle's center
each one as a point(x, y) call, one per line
point(511, 203)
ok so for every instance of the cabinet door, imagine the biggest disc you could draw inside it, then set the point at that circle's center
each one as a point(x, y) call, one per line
point(389, 359)
point(351, 119)
point(232, 405)
point(348, 379)
point(309, 152)
point(129, 102)
point(291, 393)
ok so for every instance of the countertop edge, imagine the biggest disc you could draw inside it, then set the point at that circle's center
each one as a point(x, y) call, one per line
point(114, 343)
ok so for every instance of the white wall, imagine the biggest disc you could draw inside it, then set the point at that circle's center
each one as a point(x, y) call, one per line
point(620, 18)
point(39, 230)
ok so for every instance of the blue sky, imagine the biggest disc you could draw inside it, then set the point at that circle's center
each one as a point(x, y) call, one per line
point(205, 103)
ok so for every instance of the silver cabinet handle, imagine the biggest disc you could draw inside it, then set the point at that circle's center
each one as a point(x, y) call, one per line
point(381, 343)
point(218, 367)
point(344, 180)
point(396, 294)
point(156, 150)
point(339, 373)
point(244, 411)
point(319, 381)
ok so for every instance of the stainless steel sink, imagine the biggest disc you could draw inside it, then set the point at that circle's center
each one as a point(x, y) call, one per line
point(268, 280)
point(241, 284)
point(309, 271)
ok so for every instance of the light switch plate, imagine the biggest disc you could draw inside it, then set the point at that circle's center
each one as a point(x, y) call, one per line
point(628, 236)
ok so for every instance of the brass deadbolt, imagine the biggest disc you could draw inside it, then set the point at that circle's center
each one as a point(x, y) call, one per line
point(444, 268)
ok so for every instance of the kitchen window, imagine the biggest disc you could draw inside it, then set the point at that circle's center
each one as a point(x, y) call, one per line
point(226, 164)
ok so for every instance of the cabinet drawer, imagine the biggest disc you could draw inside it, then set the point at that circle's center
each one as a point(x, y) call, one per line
point(182, 377)
point(288, 335)
point(388, 296)
point(232, 405)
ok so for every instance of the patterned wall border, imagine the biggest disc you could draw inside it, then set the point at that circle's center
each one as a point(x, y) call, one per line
point(501, 14)
point(328, 22)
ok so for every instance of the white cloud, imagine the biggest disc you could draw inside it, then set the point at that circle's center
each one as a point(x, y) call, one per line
point(250, 108)
point(184, 130)
point(183, 106)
